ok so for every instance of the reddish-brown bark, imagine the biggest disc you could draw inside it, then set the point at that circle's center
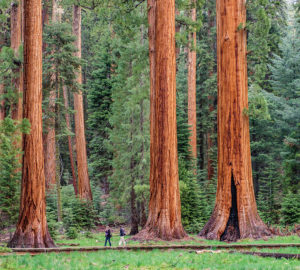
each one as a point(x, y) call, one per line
point(31, 230)
point(192, 114)
point(84, 189)
point(164, 220)
point(68, 123)
point(235, 213)
point(16, 41)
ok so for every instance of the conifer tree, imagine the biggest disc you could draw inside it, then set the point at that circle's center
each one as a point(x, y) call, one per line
point(32, 229)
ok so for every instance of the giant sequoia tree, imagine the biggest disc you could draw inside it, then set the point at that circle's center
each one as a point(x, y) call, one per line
point(32, 230)
point(235, 213)
point(84, 189)
point(164, 220)
point(192, 86)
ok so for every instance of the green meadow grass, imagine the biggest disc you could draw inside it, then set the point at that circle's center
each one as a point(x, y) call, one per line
point(156, 259)
point(98, 239)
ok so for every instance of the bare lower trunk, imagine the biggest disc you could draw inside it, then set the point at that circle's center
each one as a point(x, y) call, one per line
point(192, 120)
point(164, 220)
point(84, 189)
point(235, 214)
point(32, 230)
point(134, 213)
point(66, 102)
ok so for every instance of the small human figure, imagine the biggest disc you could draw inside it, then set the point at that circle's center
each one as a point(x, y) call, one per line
point(107, 236)
point(122, 234)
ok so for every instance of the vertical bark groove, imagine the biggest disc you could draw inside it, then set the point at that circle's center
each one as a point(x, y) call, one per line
point(84, 189)
point(164, 220)
point(32, 229)
point(192, 117)
point(234, 157)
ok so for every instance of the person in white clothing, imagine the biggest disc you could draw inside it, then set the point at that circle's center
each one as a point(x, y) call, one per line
point(122, 235)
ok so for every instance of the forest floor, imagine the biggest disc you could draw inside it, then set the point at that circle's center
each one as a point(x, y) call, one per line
point(153, 259)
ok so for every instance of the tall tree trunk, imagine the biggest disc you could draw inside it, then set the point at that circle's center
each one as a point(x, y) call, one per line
point(32, 230)
point(84, 189)
point(192, 114)
point(235, 213)
point(164, 220)
point(134, 212)
point(2, 109)
point(49, 143)
point(16, 41)
point(66, 102)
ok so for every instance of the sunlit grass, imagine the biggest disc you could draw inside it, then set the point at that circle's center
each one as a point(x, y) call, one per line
point(156, 259)
point(98, 239)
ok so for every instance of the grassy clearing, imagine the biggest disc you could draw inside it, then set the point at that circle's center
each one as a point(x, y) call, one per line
point(99, 239)
point(155, 259)
point(289, 250)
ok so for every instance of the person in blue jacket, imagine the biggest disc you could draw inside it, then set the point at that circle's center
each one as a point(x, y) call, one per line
point(107, 236)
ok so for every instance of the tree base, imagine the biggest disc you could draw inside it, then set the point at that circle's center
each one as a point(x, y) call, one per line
point(149, 234)
point(31, 240)
point(228, 228)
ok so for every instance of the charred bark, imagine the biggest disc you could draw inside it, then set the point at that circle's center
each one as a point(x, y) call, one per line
point(32, 230)
point(234, 157)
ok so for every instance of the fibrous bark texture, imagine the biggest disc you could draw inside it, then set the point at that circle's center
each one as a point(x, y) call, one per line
point(84, 189)
point(16, 41)
point(164, 220)
point(31, 229)
point(192, 120)
point(235, 213)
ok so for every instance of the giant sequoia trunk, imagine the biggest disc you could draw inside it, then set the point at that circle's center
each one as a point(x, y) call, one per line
point(31, 229)
point(16, 41)
point(235, 213)
point(192, 120)
point(84, 189)
point(164, 220)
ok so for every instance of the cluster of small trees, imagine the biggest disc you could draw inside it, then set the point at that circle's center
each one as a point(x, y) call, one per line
point(123, 144)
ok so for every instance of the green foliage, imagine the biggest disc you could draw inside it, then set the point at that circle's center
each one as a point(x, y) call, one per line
point(129, 138)
point(72, 233)
point(99, 85)
point(10, 169)
point(9, 63)
point(77, 214)
point(290, 212)
point(193, 208)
